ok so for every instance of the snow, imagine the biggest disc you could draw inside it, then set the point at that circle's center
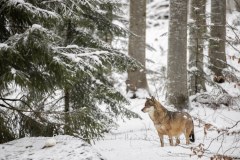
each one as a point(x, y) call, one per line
point(140, 93)
point(134, 139)
point(50, 142)
point(138, 139)
point(13, 71)
point(17, 1)
point(36, 26)
point(3, 45)
point(66, 147)
point(72, 46)
point(193, 69)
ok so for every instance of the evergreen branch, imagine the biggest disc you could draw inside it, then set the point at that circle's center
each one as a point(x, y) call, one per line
point(61, 98)
point(27, 7)
point(9, 106)
point(36, 60)
point(27, 14)
point(19, 110)
point(15, 100)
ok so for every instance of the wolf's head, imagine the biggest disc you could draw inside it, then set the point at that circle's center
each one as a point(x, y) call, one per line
point(149, 105)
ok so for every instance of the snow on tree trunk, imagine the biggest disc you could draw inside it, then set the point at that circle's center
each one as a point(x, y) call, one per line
point(136, 48)
point(217, 37)
point(197, 30)
point(177, 54)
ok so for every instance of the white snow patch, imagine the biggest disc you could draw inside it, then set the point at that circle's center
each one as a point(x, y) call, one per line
point(72, 46)
point(193, 69)
point(3, 45)
point(142, 93)
point(50, 142)
point(13, 71)
point(37, 26)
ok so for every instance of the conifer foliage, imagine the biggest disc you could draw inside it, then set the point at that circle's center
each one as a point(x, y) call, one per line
point(48, 47)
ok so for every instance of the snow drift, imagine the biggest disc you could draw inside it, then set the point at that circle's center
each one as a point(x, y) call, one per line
point(67, 147)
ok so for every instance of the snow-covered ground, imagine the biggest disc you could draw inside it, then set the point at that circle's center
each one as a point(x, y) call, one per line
point(67, 147)
point(134, 139)
point(137, 139)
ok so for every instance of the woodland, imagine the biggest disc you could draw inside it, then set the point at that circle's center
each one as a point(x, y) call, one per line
point(84, 68)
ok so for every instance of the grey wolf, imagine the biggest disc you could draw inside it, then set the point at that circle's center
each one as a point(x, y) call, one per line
point(169, 123)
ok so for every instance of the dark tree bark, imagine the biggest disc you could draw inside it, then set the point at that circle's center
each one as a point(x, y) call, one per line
point(69, 37)
point(218, 37)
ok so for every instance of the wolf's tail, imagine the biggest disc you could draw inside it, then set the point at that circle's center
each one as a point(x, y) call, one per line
point(192, 136)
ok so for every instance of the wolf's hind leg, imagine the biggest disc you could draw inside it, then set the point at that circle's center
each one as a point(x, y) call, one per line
point(170, 140)
point(186, 134)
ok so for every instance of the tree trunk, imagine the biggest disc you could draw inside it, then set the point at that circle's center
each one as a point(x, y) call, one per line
point(196, 45)
point(136, 48)
point(66, 111)
point(217, 37)
point(69, 37)
point(177, 54)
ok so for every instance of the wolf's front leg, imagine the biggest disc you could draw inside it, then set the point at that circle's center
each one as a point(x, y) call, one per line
point(177, 141)
point(161, 139)
point(170, 140)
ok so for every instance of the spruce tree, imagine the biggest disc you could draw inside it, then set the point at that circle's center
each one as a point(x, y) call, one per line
point(48, 47)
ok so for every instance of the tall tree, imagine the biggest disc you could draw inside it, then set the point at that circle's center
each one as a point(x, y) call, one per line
point(197, 32)
point(177, 54)
point(136, 46)
point(217, 37)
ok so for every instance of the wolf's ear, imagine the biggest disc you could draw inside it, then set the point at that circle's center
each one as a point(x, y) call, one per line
point(153, 98)
point(148, 99)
